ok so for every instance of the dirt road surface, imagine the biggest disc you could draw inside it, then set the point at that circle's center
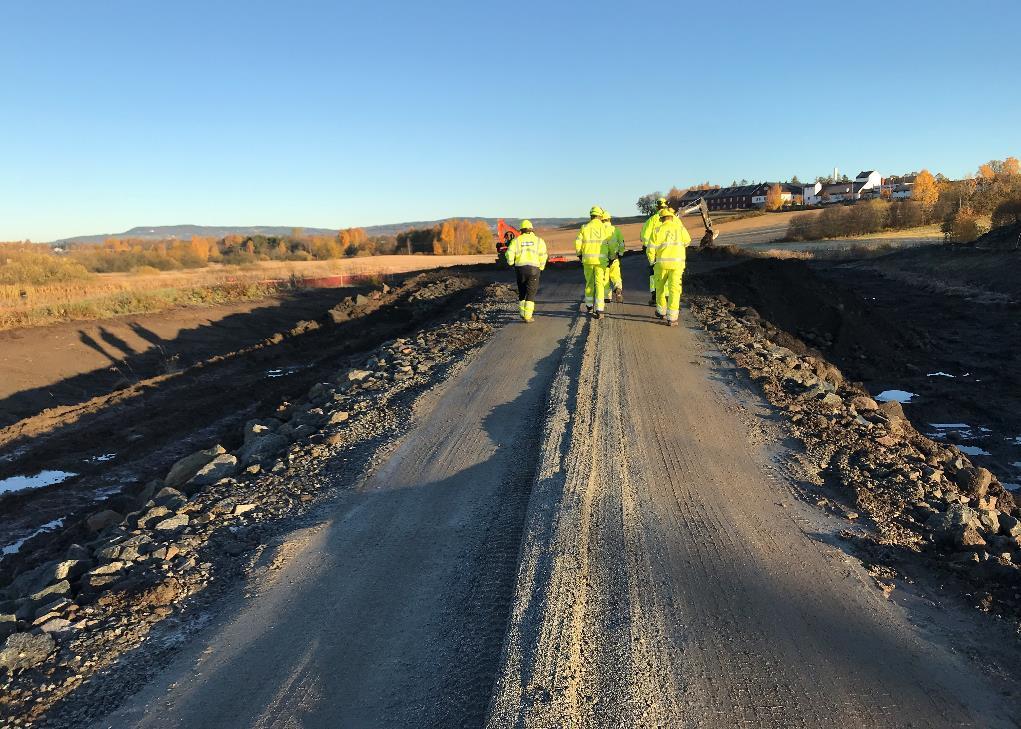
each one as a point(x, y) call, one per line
point(579, 531)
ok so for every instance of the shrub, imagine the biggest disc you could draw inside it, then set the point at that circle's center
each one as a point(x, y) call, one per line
point(1007, 213)
point(962, 227)
point(37, 265)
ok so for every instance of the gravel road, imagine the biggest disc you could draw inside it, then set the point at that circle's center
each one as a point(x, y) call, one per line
point(577, 531)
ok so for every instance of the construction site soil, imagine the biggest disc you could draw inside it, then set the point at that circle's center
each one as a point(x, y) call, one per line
point(939, 322)
point(112, 428)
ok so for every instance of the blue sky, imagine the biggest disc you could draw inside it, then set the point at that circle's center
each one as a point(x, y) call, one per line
point(116, 113)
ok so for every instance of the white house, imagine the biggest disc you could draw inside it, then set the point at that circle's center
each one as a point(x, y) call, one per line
point(868, 180)
point(811, 194)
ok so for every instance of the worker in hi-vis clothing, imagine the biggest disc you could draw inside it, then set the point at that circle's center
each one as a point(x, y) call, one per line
point(646, 235)
point(615, 283)
point(527, 254)
point(592, 247)
point(666, 254)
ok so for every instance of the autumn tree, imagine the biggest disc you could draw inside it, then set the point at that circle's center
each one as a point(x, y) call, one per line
point(925, 191)
point(774, 197)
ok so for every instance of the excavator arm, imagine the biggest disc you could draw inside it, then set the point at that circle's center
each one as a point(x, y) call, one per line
point(710, 232)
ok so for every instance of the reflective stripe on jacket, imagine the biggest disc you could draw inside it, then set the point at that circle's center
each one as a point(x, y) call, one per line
point(668, 243)
point(527, 249)
point(592, 243)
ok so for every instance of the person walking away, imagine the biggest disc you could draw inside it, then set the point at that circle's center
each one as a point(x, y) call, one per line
point(527, 254)
point(592, 247)
point(615, 282)
point(668, 243)
point(646, 236)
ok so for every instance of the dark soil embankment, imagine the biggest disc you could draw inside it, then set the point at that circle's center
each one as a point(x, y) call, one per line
point(150, 423)
point(921, 320)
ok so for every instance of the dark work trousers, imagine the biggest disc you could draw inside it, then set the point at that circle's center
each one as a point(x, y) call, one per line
point(528, 282)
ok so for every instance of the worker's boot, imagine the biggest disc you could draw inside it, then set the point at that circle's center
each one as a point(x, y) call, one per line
point(673, 323)
point(597, 315)
point(652, 299)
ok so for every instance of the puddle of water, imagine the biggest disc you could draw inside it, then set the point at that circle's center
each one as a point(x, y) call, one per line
point(900, 396)
point(101, 459)
point(15, 547)
point(972, 450)
point(43, 478)
point(284, 371)
point(1010, 486)
point(940, 374)
point(950, 426)
point(1016, 464)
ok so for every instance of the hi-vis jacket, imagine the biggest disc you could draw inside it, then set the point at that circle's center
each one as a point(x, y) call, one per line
point(527, 249)
point(666, 249)
point(616, 241)
point(593, 243)
point(649, 227)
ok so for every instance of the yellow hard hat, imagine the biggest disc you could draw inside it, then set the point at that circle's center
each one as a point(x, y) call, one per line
point(661, 202)
point(605, 215)
point(526, 225)
point(596, 211)
point(666, 212)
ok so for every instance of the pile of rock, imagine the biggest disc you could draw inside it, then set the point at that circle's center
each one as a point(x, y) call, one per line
point(62, 621)
point(919, 493)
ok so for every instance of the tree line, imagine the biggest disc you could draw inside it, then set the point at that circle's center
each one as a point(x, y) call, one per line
point(451, 237)
point(25, 262)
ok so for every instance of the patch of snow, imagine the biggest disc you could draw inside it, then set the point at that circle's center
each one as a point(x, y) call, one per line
point(43, 478)
point(900, 396)
point(940, 374)
point(1016, 464)
point(1010, 486)
point(950, 426)
point(15, 547)
point(972, 450)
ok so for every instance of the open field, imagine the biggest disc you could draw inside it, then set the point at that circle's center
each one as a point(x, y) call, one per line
point(114, 294)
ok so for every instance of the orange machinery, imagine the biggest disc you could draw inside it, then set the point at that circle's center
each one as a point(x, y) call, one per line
point(505, 234)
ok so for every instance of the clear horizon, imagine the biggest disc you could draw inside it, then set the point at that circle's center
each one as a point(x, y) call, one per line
point(132, 115)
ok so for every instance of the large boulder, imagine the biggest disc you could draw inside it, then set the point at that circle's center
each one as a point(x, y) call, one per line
point(220, 467)
point(959, 525)
point(258, 428)
point(974, 481)
point(22, 651)
point(186, 468)
point(99, 521)
point(261, 448)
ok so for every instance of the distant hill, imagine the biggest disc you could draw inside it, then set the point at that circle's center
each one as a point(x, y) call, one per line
point(184, 232)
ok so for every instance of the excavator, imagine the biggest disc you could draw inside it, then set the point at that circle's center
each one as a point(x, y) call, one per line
point(710, 233)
